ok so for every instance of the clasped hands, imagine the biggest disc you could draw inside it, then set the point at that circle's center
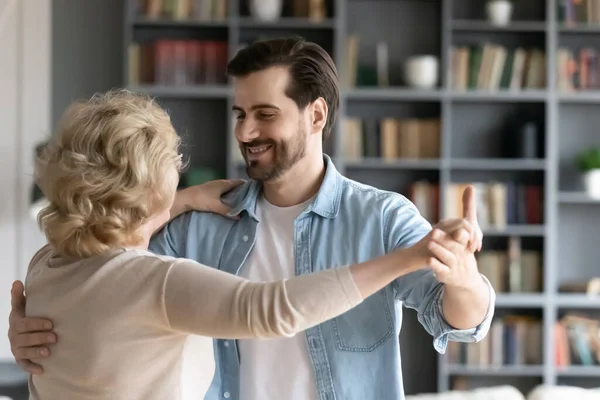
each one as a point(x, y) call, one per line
point(449, 249)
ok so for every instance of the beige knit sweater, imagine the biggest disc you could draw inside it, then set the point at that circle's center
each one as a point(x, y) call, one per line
point(128, 321)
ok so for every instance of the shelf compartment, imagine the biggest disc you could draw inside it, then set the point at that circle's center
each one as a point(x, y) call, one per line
point(504, 363)
point(405, 134)
point(577, 130)
point(574, 47)
point(529, 11)
point(577, 234)
point(467, 76)
point(510, 203)
point(387, 16)
point(505, 134)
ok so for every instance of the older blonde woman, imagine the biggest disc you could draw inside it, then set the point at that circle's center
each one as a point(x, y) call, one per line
point(129, 321)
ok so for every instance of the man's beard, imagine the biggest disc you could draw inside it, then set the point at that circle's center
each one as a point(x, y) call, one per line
point(285, 155)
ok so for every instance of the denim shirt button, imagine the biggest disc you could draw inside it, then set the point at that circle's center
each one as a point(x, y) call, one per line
point(226, 395)
point(245, 238)
point(226, 344)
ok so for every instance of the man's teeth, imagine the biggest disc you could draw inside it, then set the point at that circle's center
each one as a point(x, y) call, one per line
point(257, 149)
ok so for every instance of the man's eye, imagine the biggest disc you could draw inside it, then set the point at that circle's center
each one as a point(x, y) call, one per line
point(239, 117)
point(266, 116)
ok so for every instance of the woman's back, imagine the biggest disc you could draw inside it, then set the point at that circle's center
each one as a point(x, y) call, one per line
point(115, 338)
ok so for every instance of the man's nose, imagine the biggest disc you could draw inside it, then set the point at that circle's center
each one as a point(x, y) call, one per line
point(247, 131)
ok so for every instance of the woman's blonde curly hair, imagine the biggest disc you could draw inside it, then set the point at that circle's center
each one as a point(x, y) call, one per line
point(113, 163)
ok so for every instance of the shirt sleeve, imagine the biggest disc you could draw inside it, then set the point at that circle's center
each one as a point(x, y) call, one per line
point(205, 301)
point(170, 240)
point(448, 333)
point(420, 290)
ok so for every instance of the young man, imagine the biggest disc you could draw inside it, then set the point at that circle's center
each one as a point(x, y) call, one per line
point(297, 215)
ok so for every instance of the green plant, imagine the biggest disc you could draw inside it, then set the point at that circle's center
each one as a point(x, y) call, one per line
point(589, 159)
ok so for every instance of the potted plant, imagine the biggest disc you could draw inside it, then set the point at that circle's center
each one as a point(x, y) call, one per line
point(588, 162)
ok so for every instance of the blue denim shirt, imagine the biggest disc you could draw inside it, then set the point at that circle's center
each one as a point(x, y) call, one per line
point(356, 356)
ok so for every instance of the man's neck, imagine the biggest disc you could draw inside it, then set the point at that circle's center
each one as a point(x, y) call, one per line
point(298, 184)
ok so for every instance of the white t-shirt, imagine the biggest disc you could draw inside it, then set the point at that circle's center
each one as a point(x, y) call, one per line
point(275, 369)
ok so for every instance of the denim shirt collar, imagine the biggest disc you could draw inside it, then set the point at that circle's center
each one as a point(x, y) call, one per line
point(326, 203)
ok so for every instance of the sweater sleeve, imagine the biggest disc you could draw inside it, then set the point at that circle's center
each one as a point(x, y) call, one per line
point(205, 301)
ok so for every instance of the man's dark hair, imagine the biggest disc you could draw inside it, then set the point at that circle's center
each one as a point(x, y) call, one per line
point(312, 71)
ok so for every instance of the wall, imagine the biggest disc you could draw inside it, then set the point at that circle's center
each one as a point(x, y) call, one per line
point(25, 114)
point(71, 44)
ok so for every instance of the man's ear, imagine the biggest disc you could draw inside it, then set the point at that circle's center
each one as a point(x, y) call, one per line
point(318, 115)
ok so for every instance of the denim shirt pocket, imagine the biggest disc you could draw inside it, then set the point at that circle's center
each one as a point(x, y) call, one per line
point(365, 327)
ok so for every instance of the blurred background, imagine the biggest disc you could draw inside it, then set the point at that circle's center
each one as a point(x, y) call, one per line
point(435, 94)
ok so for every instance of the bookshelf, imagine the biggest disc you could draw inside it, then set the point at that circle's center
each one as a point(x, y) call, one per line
point(471, 126)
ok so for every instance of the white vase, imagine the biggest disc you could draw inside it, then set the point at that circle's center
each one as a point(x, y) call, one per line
point(265, 10)
point(499, 12)
point(591, 183)
point(421, 72)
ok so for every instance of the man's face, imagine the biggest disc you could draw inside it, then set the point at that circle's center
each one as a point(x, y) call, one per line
point(270, 128)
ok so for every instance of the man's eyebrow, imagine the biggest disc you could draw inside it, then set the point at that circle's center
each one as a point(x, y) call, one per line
point(256, 107)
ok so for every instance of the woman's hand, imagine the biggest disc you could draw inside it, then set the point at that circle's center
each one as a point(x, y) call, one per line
point(421, 254)
point(205, 197)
